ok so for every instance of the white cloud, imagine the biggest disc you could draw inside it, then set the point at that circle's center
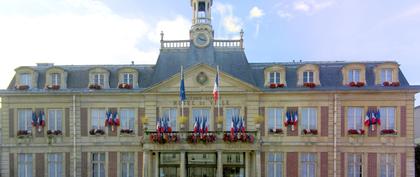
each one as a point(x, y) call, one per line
point(76, 32)
point(302, 6)
point(284, 14)
point(231, 23)
point(256, 12)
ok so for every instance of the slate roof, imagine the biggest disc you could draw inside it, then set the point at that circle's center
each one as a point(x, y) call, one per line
point(230, 60)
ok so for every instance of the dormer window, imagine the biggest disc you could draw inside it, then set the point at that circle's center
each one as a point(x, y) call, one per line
point(354, 75)
point(386, 75)
point(128, 78)
point(275, 77)
point(25, 79)
point(308, 77)
point(56, 78)
point(99, 79)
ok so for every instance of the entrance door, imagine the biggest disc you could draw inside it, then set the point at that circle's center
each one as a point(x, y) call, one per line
point(202, 172)
point(233, 172)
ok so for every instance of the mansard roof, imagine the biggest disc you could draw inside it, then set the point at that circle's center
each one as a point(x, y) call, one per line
point(232, 61)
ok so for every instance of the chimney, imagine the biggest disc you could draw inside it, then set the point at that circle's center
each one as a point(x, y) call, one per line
point(45, 64)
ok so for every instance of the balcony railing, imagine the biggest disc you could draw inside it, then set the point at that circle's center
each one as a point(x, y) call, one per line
point(190, 137)
point(228, 43)
point(176, 44)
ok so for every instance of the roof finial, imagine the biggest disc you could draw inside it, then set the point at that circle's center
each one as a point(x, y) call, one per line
point(161, 39)
point(242, 38)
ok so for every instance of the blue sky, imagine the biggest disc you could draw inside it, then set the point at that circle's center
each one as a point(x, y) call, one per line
point(121, 31)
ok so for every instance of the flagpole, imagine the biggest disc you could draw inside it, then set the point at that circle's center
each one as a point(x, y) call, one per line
point(182, 100)
point(218, 94)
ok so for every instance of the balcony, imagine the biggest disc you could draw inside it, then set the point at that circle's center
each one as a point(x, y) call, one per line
point(190, 137)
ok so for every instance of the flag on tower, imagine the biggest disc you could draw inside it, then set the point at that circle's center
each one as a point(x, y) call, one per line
point(216, 87)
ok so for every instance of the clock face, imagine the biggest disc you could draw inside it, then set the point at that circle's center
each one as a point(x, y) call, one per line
point(202, 40)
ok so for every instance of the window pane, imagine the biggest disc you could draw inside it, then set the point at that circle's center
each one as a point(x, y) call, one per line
point(231, 112)
point(309, 118)
point(26, 79)
point(25, 119)
point(272, 77)
point(275, 118)
point(305, 77)
point(277, 77)
point(127, 118)
point(55, 78)
point(311, 76)
point(387, 116)
point(171, 113)
point(98, 118)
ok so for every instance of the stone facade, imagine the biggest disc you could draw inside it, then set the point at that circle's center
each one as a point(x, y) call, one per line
point(247, 87)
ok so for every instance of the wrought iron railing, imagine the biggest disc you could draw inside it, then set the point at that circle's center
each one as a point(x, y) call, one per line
point(190, 137)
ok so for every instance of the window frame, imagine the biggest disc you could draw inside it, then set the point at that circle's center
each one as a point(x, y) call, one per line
point(55, 78)
point(130, 114)
point(25, 80)
point(354, 123)
point(99, 162)
point(172, 114)
point(98, 78)
point(28, 164)
point(229, 119)
point(352, 75)
point(56, 124)
point(129, 79)
point(57, 162)
point(389, 164)
point(277, 120)
point(308, 119)
point(306, 162)
point(354, 162)
point(275, 76)
point(126, 163)
point(385, 120)
point(278, 160)
point(27, 118)
point(307, 74)
point(387, 72)
point(101, 117)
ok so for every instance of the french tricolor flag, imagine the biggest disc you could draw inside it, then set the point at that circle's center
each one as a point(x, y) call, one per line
point(216, 87)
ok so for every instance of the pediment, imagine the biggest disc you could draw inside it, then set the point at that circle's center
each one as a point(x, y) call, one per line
point(199, 79)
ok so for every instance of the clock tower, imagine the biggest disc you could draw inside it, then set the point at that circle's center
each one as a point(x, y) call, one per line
point(201, 32)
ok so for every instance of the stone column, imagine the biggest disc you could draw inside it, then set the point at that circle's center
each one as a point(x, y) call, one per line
point(258, 163)
point(247, 164)
point(146, 168)
point(156, 166)
point(183, 169)
point(219, 164)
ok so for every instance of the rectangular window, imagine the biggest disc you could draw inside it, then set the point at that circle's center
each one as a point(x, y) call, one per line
point(200, 113)
point(98, 164)
point(275, 77)
point(128, 78)
point(127, 164)
point(387, 117)
point(309, 118)
point(26, 79)
point(230, 113)
point(308, 164)
point(55, 165)
point(25, 119)
point(171, 113)
point(99, 79)
point(354, 75)
point(354, 165)
point(355, 118)
point(55, 119)
point(55, 78)
point(308, 77)
point(387, 165)
point(275, 164)
point(25, 165)
point(97, 118)
point(127, 118)
point(275, 118)
point(386, 75)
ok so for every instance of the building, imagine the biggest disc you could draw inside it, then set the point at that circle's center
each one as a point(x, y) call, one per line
point(301, 118)
point(417, 124)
